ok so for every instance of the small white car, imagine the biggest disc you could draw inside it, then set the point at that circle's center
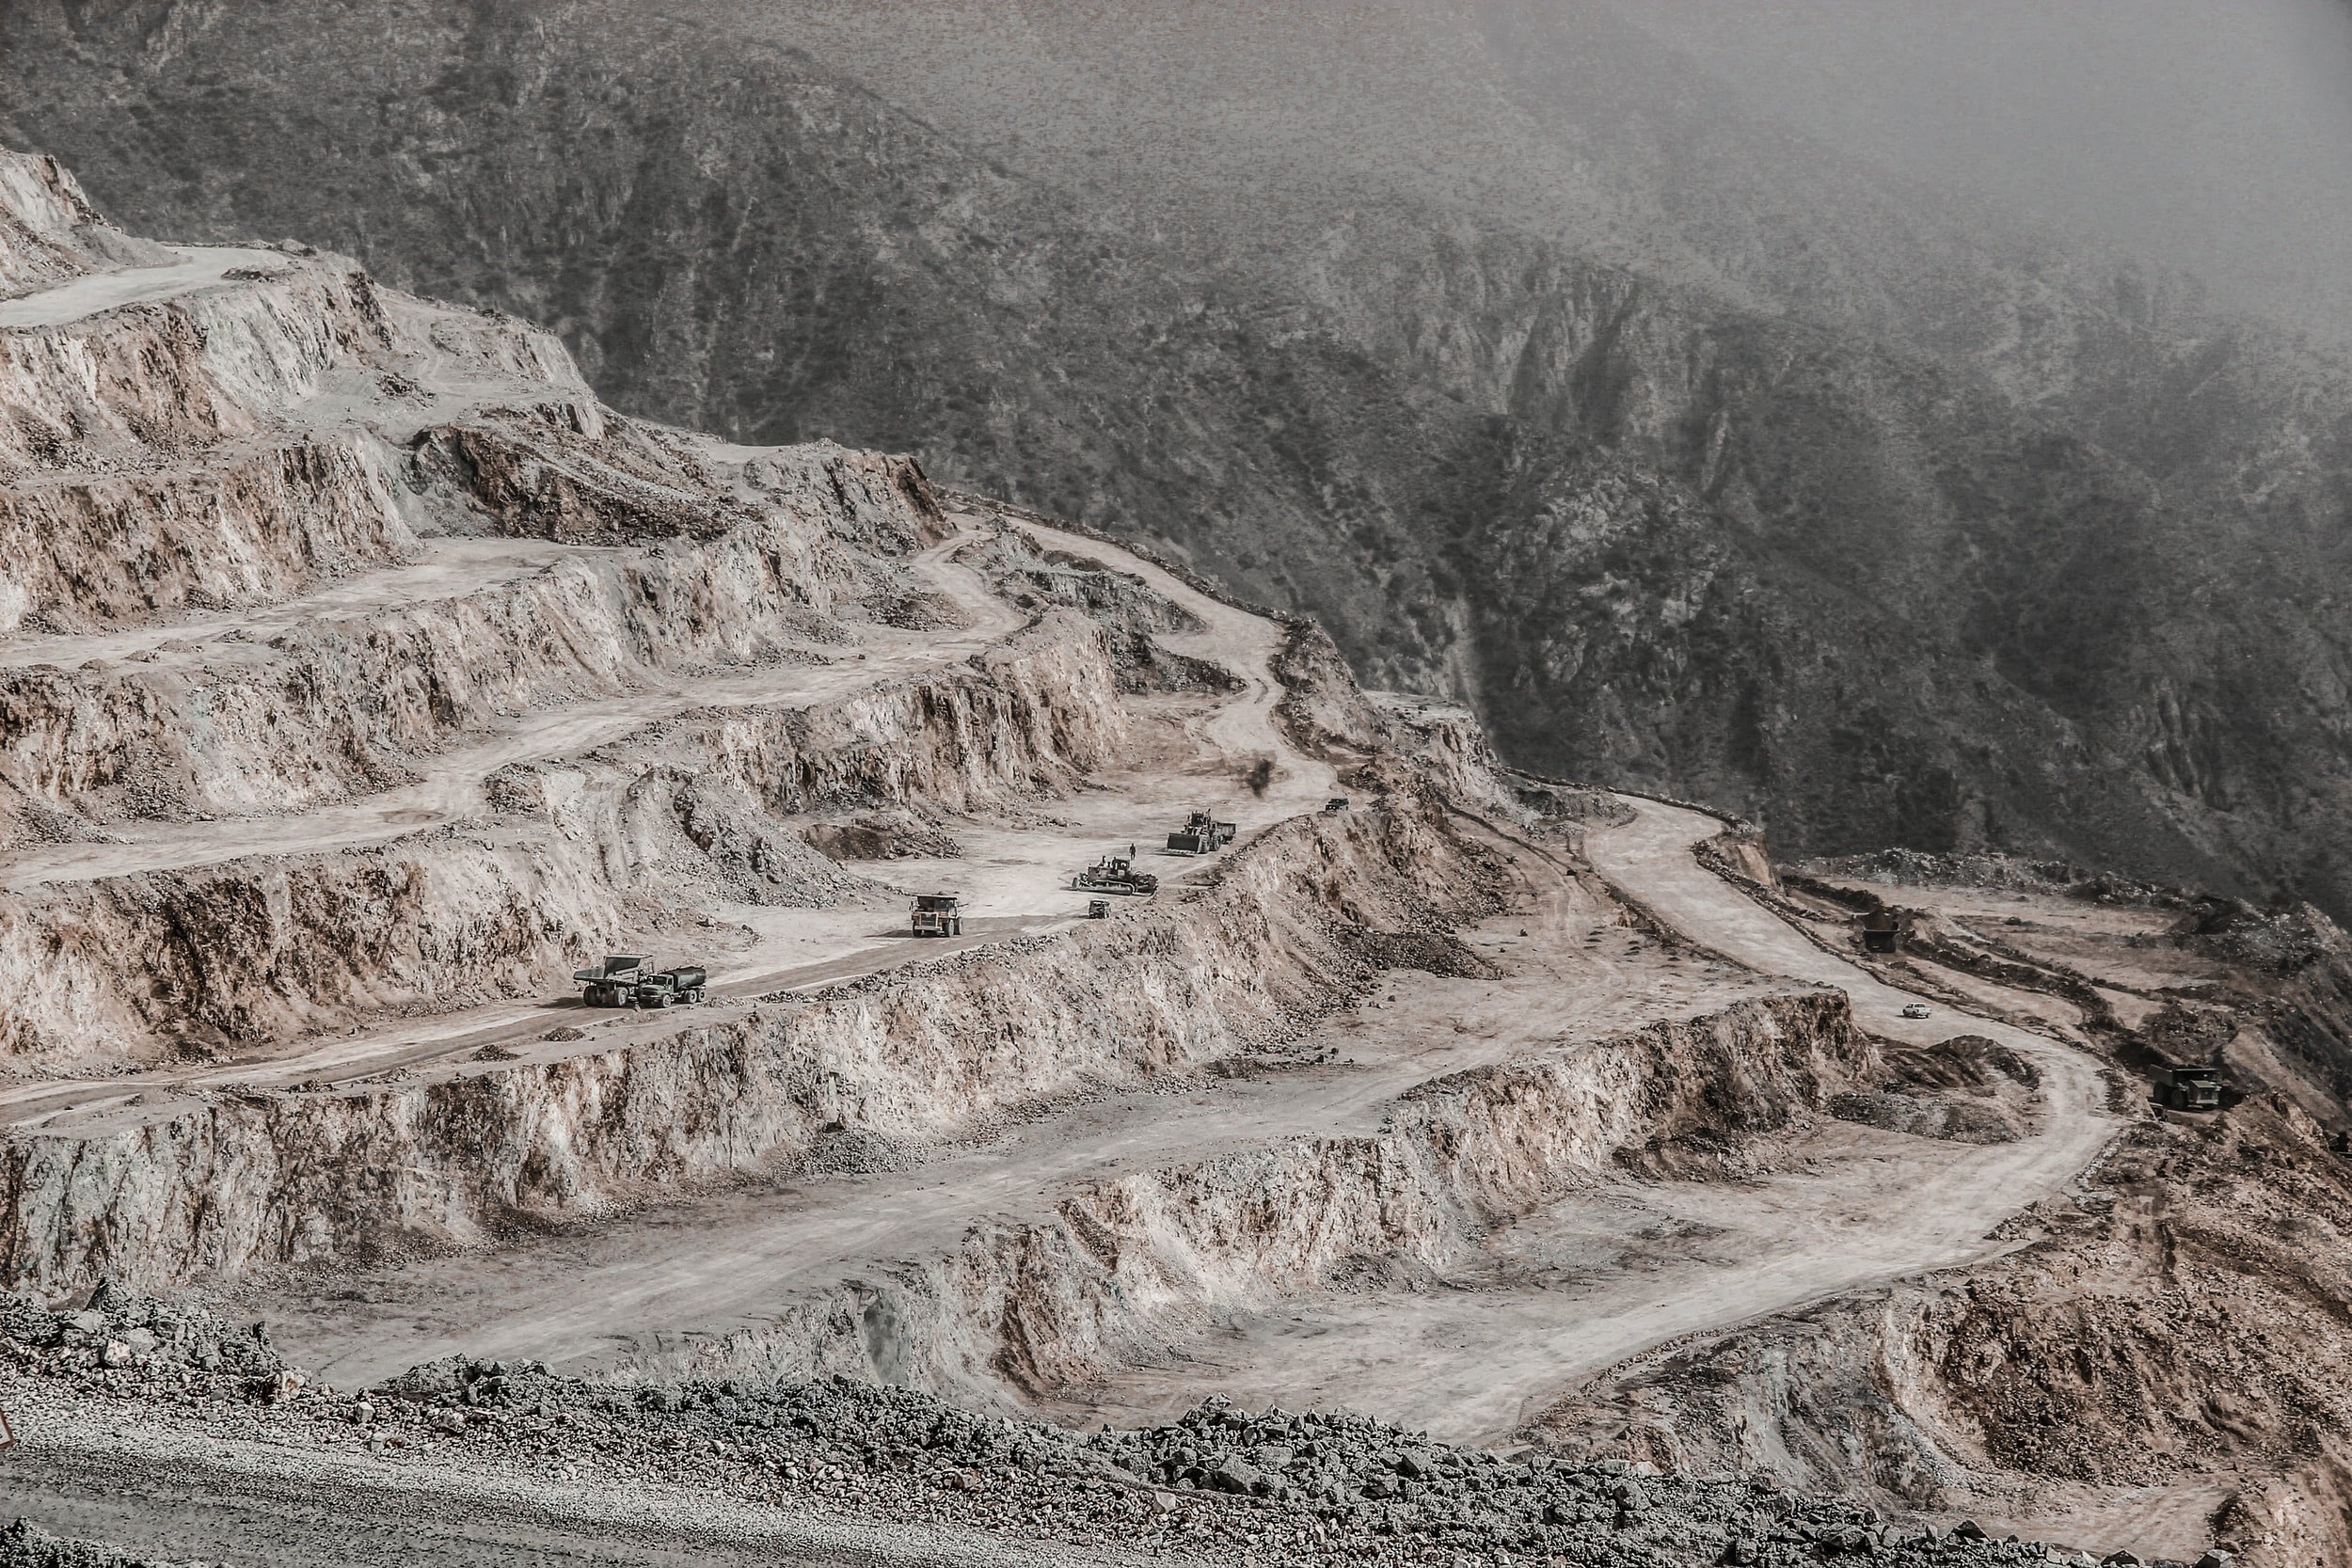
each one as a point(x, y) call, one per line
point(1915, 1009)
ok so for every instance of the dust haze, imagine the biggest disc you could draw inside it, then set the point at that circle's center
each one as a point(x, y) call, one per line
point(2208, 137)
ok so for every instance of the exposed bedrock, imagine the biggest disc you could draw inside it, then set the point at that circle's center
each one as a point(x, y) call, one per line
point(121, 969)
point(79, 553)
point(92, 397)
point(253, 948)
point(49, 231)
point(1030, 715)
point(156, 382)
point(2136, 1343)
point(337, 706)
point(1042, 1308)
point(199, 452)
point(157, 463)
point(262, 1179)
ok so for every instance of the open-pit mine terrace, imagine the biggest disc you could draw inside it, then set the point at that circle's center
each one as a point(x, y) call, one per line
point(361, 675)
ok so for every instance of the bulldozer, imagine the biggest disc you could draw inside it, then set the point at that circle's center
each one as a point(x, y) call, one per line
point(1114, 873)
point(938, 915)
point(1201, 835)
point(2189, 1088)
point(631, 980)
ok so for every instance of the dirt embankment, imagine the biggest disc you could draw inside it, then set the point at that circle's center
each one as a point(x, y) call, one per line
point(1044, 1308)
point(2156, 1366)
point(1741, 853)
point(258, 1178)
point(2181, 1332)
point(253, 948)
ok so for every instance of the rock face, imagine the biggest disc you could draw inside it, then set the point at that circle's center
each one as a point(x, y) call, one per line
point(2125, 1341)
point(319, 787)
point(279, 1179)
point(1044, 1307)
point(49, 231)
point(1691, 458)
point(277, 541)
point(496, 680)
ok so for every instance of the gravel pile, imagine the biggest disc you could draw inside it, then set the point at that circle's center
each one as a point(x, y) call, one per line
point(24, 1545)
point(1219, 1485)
point(148, 1339)
point(1383, 1491)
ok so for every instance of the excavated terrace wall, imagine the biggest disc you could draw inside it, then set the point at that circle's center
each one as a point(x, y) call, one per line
point(91, 396)
point(49, 231)
point(149, 469)
point(144, 473)
point(257, 1179)
point(40, 206)
point(1042, 1308)
point(2176, 1328)
point(259, 947)
point(76, 555)
point(250, 950)
point(1740, 853)
point(1032, 714)
point(146, 385)
point(337, 707)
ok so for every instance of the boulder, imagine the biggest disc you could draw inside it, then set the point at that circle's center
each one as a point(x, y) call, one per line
point(1237, 1474)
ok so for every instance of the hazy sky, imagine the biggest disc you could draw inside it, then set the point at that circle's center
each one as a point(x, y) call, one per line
point(2215, 133)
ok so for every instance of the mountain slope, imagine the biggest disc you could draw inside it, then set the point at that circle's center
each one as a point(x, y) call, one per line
point(1693, 457)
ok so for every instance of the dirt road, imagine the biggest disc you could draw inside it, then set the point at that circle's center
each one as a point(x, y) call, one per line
point(1605, 1274)
point(197, 267)
point(1632, 1265)
point(1013, 877)
point(1243, 726)
point(1651, 858)
point(451, 785)
point(182, 1492)
point(655, 1288)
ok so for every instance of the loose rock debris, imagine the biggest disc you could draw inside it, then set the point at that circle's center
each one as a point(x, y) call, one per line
point(1220, 1484)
